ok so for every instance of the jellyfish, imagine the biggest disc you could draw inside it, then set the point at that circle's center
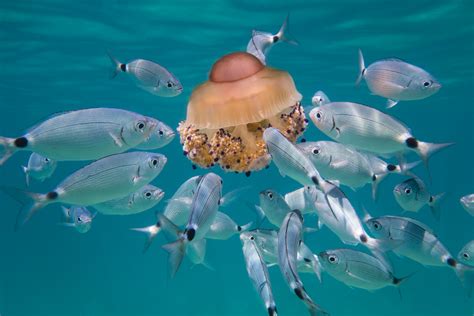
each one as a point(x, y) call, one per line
point(227, 114)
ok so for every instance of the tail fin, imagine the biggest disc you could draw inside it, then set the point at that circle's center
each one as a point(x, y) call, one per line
point(405, 168)
point(284, 32)
point(176, 251)
point(245, 227)
point(27, 176)
point(376, 179)
point(24, 198)
point(426, 150)
point(361, 68)
point(9, 148)
point(434, 204)
point(151, 232)
point(272, 311)
point(116, 66)
point(313, 308)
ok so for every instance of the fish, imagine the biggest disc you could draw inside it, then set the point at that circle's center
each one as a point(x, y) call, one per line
point(78, 217)
point(319, 98)
point(291, 162)
point(466, 254)
point(368, 129)
point(224, 227)
point(204, 207)
point(161, 136)
point(178, 206)
point(88, 134)
point(39, 168)
point(357, 269)
point(412, 195)
point(273, 206)
point(258, 271)
point(289, 239)
point(108, 178)
point(136, 202)
point(300, 199)
point(419, 243)
point(467, 202)
point(349, 166)
point(148, 76)
point(262, 42)
point(397, 80)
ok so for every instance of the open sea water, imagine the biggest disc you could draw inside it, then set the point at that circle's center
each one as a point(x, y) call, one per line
point(53, 59)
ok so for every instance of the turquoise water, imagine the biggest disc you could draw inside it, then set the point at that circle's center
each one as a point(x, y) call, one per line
point(53, 59)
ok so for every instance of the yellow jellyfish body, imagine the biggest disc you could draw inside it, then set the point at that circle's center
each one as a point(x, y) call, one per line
point(227, 114)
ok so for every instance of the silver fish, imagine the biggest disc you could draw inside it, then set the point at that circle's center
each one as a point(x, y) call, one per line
point(357, 269)
point(292, 162)
point(466, 255)
point(261, 42)
point(415, 241)
point(412, 195)
point(39, 168)
point(467, 202)
point(397, 80)
point(78, 217)
point(257, 271)
point(148, 76)
point(82, 135)
point(273, 206)
point(204, 208)
point(320, 98)
point(348, 166)
point(161, 136)
point(224, 227)
point(103, 180)
point(369, 129)
point(289, 239)
point(139, 201)
point(178, 207)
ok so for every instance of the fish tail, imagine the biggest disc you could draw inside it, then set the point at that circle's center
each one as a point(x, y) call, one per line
point(245, 227)
point(10, 146)
point(117, 66)
point(313, 308)
point(426, 150)
point(465, 274)
point(284, 32)
point(403, 167)
point(361, 68)
point(176, 251)
point(151, 232)
point(27, 175)
point(397, 281)
point(272, 311)
point(434, 204)
point(31, 203)
point(376, 179)
point(168, 225)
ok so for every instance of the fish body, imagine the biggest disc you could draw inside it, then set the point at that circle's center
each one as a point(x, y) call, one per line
point(257, 271)
point(149, 76)
point(39, 168)
point(368, 129)
point(161, 136)
point(291, 162)
point(109, 178)
point(466, 255)
point(178, 207)
point(467, 202)
point(78, 217)
point(87, 134)
point(289, 239)
point(357, 269)
point(261, 42)
point(273, 206)
point(224, 227)
point(139, 201)
point(300, 200)
point(397, 80)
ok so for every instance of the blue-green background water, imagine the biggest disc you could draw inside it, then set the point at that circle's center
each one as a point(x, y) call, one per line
point(53, 58)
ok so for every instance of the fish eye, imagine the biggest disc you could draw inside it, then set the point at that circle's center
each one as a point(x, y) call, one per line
point(252, 238)
point(316, 150)
point(148, 194)
point(161, 133)
point(319, 115)
point(46, 160)
point(377, 225)
point(465, 255)
point(270, 195)
point(332, 259)
point(170, 84)
point(408, 191)
point(140, 126)
point(154, 163)
point(79, 219)
point(426, 83)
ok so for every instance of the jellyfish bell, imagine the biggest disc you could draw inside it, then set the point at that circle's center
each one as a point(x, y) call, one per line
point(227, 114)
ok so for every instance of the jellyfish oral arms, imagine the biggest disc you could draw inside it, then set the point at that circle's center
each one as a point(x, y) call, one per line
point(227, 114)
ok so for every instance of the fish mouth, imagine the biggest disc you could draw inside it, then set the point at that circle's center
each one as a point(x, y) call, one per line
point(158, 195)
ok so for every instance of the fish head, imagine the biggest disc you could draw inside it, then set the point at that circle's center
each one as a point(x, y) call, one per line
point(316, 152)
point(379, 227)
point(164, 133)
point(467, 201)
point(246, 236)
point(406, 193)
point(138, 129)
point(425, 85)
point(171, 87)
point(331, 260)
point(152, 193)
point(319, 98)
point(82, 215)
point(466, 255)
point(322, 118)
point(269, 199)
